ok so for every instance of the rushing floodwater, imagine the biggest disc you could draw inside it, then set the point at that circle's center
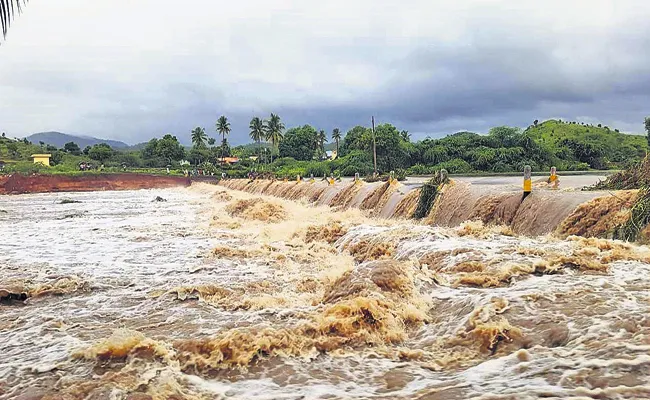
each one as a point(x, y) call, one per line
point(211, 295)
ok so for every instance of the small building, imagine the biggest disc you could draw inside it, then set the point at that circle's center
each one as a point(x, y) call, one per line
point(42, 158)
point(228, 160)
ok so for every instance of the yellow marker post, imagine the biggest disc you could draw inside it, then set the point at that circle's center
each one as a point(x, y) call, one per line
point(528, 183)
point(297, 178)
point(553, 179)
point(357, 181)
point(391, 178)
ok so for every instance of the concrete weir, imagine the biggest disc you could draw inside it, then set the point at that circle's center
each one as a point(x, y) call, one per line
point(500, 203)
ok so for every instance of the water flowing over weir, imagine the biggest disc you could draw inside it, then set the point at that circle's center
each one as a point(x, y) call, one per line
point(219, 293)
point(541, 213)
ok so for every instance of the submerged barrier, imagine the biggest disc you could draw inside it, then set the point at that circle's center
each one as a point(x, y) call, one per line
point(537, 212)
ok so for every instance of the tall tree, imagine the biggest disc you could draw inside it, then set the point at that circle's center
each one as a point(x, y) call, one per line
point(72, 148)
point(223, 127)
point(300, 143)
point(336, 136)
point(169, 148)
point(273, 132)
point(199, 137)
point(257, 133)
point(647, 128)
point(321, 138)
point(406, 136)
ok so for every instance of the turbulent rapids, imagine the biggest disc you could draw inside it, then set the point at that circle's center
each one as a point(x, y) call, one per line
point(285, 290)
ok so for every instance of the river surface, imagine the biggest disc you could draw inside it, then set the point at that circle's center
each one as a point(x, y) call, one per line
point(215, 293)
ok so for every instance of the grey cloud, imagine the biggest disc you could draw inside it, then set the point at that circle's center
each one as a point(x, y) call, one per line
point(432, 69)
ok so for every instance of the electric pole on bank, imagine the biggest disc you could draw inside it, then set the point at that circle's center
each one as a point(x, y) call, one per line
point(374, 145)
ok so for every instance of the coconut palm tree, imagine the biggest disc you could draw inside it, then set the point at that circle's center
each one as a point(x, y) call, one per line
point(8, 9)
point(257, 133)
point(321, 138)
point(223, 127)
point(336, 135)
point(198, 136)
point(273, 131)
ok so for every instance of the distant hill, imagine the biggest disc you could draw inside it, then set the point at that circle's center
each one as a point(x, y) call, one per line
point(59, 139)
point(590, 140)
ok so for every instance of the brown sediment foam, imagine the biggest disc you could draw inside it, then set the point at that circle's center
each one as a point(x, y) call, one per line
point(329, 233)
point(486, 332)
point(479, 274)
point(221, 196)
point(600, 216)
point(357, 322)
point(480, 230)
point(371, 306)
point(253, 296)
point(407, 205)
point(377, 276)
point(364, 250)
point(257, 209)
point(124, 342)
point(234, 253)
point(484, 276)
point(485, 326)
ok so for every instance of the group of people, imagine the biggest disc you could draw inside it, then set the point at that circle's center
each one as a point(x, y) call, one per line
point(84, 166)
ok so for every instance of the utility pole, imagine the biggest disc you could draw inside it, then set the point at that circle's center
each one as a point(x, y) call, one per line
point(374, 145)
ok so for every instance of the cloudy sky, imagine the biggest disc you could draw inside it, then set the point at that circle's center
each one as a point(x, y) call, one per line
point(134, 69)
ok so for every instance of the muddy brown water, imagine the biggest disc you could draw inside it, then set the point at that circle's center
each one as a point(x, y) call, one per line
point(128, 298)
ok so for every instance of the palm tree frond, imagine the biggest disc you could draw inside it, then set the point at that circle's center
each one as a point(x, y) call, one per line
point(8, 11)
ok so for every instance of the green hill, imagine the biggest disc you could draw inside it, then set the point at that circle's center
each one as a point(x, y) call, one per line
point(600, 147)
point(16, 155)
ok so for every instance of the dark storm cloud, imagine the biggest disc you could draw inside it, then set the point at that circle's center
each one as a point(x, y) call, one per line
point(432, 69)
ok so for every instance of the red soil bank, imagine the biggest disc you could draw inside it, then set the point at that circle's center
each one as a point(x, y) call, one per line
point(17, 184)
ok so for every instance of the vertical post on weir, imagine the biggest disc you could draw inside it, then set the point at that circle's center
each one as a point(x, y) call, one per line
point(374, 146)
point(356, 178)
point(528, 184)
point(553, 180)
point(298, 178)
point(311, 178)
point(391, 178)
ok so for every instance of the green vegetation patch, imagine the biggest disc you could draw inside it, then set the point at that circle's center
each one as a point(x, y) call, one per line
point(639, 218)
point(429, 193)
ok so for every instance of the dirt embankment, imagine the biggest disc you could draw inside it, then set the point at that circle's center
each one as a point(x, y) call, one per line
point(19, 184)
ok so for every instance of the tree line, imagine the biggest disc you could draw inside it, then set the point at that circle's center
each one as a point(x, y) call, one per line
point(302, 150)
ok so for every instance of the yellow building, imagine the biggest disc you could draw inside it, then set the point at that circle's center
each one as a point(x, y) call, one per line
point(42, 158)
